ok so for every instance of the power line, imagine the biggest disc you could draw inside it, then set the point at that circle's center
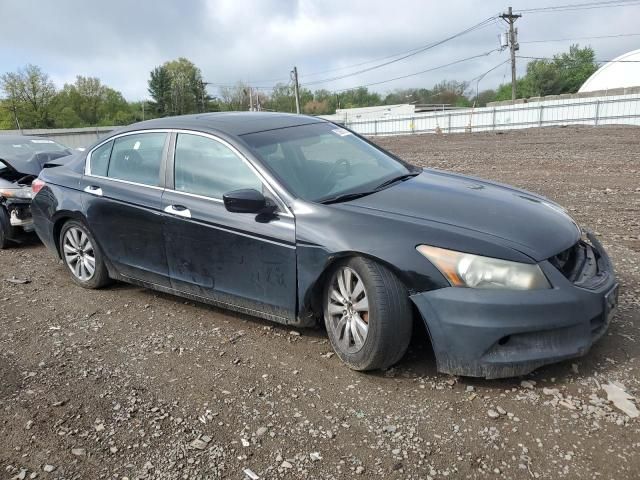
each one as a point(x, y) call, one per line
point(582, 6)
point(417, 50)
point(583, 38)
point(421, 72)
point(404, 54)
point(482, 75)
point(408, 54)
point(598, 61)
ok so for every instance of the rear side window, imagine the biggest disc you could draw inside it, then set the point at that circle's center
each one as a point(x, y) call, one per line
point(204, 166)
point(137, 158)
point(100, 159)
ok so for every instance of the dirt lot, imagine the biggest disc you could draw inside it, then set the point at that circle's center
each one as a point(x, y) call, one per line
point(121, 382)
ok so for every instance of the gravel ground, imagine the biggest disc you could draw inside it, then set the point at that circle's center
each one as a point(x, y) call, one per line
point(128, 383)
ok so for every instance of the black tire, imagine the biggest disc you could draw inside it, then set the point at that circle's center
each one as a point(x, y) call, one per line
point(100, 276)
point(6, 230)
point(389, 316)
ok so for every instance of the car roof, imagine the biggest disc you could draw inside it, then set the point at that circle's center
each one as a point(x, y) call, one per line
point(229, 123)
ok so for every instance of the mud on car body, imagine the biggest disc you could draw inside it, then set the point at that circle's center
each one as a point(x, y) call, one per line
point(21, 160)
point(295, 219)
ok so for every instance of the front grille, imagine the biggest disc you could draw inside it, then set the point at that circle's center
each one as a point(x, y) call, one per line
point(581, 264)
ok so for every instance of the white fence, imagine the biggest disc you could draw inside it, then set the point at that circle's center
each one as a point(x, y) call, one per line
point(618, 109)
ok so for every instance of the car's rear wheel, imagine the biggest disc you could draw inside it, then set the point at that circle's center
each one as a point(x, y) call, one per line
point(6, 230)
point(81, 254)
point(367, 314)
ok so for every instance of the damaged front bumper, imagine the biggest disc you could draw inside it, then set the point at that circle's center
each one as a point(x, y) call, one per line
point(503, 333)
point(19, 212)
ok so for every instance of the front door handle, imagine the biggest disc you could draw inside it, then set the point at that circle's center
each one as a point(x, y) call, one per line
point(93, 190)
point(179, 210)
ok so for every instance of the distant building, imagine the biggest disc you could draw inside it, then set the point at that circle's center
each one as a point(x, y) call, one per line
point(382, 111)
point(621, 72)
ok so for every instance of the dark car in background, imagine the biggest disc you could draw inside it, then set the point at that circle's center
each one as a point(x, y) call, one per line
point(21, 160)
point(295, 219)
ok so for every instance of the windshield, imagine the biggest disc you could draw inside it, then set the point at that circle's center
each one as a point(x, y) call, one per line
point(25, 148)
point(322, 161)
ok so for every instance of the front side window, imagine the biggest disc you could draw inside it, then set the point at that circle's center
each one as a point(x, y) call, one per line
point(100, 159)
point(204, 166)
point(137, 158)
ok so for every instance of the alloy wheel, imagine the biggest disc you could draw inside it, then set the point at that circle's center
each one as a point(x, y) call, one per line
point(348, 310)
point(79, 254)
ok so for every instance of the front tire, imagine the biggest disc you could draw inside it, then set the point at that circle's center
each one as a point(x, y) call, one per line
point(6, 230)
point(82, 256)
point(367, 314)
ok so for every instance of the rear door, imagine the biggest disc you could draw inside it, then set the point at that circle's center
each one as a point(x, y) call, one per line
point(123, 185)
point(241, 259)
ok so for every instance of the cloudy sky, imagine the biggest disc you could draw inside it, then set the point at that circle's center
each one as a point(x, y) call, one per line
point(258, 41)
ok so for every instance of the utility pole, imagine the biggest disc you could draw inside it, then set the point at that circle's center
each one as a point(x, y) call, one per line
point(510, 18)
point(296, 87)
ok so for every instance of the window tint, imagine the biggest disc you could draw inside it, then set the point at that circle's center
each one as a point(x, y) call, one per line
point(206, 167)
point(100, 159)
point(137, 158)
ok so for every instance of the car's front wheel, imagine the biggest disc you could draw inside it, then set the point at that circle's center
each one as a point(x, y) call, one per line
point(367, 314)
point(81, 254)
point(6, 230)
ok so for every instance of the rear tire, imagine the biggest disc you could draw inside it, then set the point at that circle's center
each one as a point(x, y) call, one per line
point(367, 313)
point(82, 256)
point(6, 230)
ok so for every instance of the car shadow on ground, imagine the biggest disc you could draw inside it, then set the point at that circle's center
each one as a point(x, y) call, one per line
point(27, 242)
point(419, 360)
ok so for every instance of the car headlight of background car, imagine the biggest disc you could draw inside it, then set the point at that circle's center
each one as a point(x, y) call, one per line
point(16, 192)
point(474, 271)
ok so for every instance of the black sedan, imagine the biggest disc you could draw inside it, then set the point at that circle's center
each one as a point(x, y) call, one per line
point(21, 160)
point(296, 219)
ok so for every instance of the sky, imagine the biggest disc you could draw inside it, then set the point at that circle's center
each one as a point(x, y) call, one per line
point(259, 41)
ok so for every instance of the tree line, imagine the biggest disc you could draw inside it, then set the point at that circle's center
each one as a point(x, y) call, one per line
point(31, 100)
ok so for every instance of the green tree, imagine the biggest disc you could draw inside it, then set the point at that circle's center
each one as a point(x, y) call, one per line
point(7, 121)
point(485, 97)
point(160, 90)
point(450, 92)
point(359, 97)
point(29, 96)
point(177, 88)
point(281, 99)
point(564, 73)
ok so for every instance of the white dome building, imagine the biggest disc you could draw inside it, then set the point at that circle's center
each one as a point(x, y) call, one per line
point(621, 72)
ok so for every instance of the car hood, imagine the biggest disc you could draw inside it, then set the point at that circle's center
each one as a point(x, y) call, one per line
point(530, 223)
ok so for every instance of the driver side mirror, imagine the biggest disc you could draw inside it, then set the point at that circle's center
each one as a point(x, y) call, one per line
point(247, 200)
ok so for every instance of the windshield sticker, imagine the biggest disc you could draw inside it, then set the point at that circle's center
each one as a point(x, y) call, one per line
point(42, 141)
point(136, 145)
point(341, 131)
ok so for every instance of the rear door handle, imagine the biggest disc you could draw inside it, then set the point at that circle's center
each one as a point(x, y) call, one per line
point(179, 210)
point(93, 190)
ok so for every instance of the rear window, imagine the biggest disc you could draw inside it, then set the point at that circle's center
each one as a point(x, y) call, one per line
point(137, 158)
point(100, 159)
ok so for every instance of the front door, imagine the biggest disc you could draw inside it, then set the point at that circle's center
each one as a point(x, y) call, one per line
point(123, 199)
point(239, 259)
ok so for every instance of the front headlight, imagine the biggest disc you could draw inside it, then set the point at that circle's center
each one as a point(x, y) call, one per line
point(16, 192)
point(467, 270)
